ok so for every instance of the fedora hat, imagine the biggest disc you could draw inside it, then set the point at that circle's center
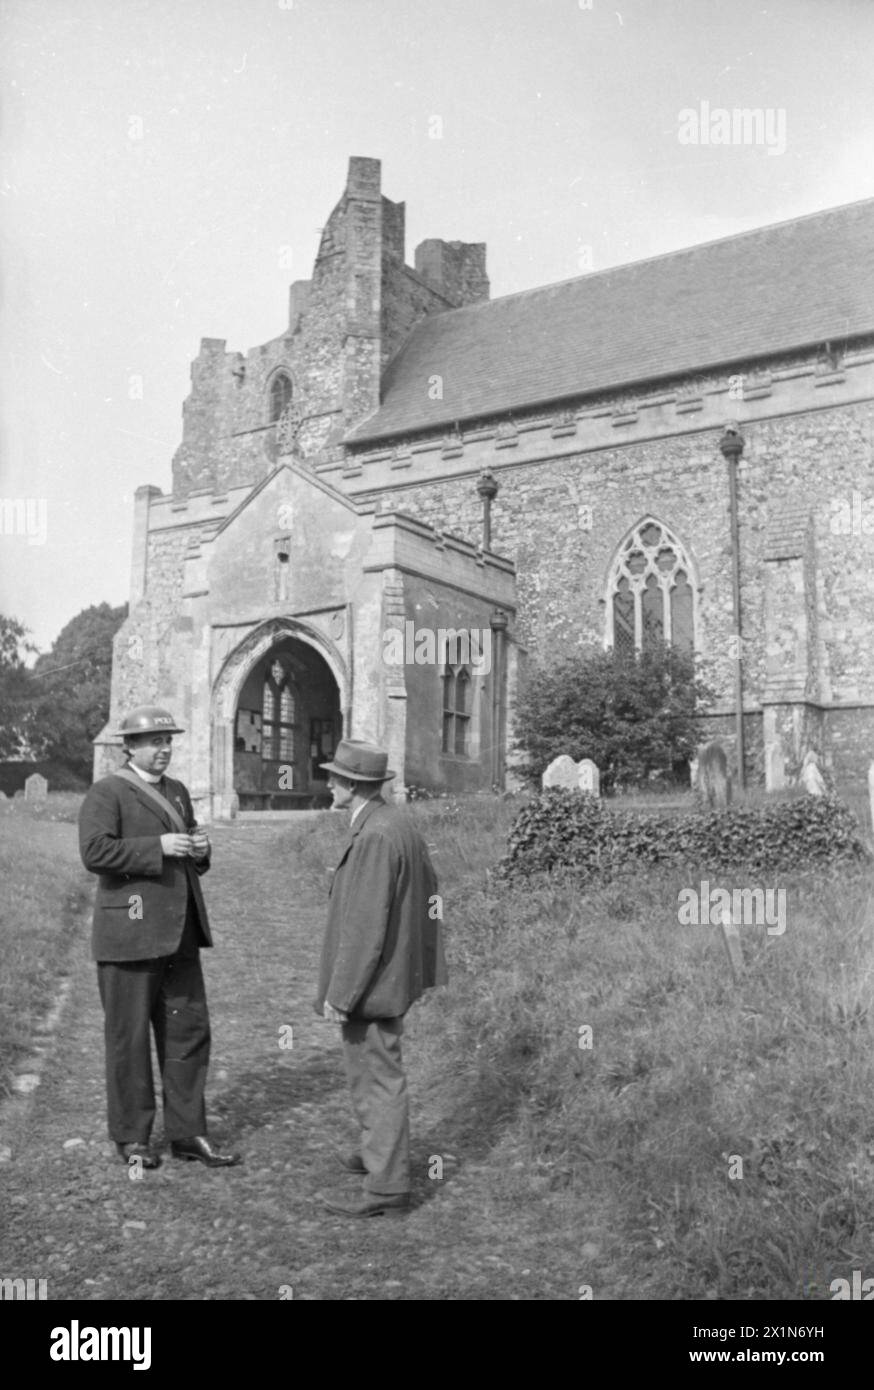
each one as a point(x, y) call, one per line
point(360, 762)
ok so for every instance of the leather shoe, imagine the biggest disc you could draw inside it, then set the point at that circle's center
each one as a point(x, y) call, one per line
point(353, 1163)
point(199, 1148)
point(366, 1203)
point(146, 1156)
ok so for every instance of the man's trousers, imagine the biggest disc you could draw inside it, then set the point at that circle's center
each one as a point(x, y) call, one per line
point(372, 1053)
point(167, 995)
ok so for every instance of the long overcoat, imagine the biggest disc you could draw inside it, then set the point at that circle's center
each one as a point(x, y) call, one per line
point(383, 943)
point(142, 897)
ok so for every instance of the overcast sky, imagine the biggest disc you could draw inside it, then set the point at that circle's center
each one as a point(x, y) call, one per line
point(159, 156)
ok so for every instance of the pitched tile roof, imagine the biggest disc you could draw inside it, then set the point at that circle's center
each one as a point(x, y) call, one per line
point(760, 293)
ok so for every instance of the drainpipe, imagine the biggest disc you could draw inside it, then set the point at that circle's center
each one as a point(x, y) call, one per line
point(487, 488)
point(498, 624)
point(731, 446)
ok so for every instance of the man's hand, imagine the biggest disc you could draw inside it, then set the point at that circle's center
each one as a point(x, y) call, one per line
point(333, 1015)
point(176, 846)
point(199, 843)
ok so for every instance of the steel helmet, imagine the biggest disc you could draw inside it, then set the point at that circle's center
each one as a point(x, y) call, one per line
point(148, 719)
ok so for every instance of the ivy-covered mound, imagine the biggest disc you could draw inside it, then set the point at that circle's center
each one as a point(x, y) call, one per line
point(562, 829)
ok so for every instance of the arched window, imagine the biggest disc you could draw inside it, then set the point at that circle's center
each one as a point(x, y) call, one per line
point(280, 395)
point(457, 704)
point(277, 721)
point(650, 596)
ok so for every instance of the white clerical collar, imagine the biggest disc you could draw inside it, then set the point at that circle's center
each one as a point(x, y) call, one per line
point(146, 776)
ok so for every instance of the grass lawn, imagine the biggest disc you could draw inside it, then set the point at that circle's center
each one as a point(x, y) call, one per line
point(715, 1140)
point(611, 1112)
point(723, 1134)
point(45, 890)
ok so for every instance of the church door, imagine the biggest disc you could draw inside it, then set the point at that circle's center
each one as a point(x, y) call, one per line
point(288, 723)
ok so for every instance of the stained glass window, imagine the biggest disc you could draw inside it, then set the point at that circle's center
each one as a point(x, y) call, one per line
point(278, 716)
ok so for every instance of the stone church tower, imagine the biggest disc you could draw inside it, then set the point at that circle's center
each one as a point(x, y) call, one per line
point(323, 567)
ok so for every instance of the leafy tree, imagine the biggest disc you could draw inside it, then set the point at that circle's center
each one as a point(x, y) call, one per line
point(17, 688)
point(73, 680)
point(631, 714)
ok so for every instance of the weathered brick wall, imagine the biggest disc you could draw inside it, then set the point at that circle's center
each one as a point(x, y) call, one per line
point(148, 664)
point(405, 300)
point(540, 521)
point(456, 268)
point(821, 456)
point(536, 521)
point(165, 567)
point(430, 608)
point(239, 445)
point(848, 745)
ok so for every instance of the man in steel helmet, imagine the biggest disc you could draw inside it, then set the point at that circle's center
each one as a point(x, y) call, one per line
point(138, 832)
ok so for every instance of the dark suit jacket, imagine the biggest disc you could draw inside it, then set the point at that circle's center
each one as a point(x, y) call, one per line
point(120, 832)
point(382, 949)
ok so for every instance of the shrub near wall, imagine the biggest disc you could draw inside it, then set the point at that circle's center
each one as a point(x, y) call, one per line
point(561, 829)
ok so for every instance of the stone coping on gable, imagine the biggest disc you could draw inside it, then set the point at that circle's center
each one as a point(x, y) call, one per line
point(195, 508)
point(442, 540)
point(402, 542)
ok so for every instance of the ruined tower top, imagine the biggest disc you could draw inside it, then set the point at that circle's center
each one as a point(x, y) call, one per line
point(304, 390)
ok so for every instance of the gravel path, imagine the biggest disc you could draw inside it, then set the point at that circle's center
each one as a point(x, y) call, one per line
point(71, 1214)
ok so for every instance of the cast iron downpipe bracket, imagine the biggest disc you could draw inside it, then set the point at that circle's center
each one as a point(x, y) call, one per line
point(487, 489)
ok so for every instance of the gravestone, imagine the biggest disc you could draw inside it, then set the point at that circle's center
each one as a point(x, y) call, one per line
point(562, 772)
point(775, 767)
point(588, 777)
point(714, 784)
point(811, 778)
point(36, 788)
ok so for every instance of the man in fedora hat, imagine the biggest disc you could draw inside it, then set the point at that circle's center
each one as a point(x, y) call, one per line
point(383, 948)
point(137, 831)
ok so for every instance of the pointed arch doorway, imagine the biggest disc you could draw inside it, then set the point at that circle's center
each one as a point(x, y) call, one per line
point(287, 720)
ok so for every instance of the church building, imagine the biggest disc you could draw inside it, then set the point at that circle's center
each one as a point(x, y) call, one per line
point(383, 517)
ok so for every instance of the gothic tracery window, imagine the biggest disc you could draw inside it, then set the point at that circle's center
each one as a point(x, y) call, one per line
point(650, 597)
point(280, 395)
point(277, 722)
